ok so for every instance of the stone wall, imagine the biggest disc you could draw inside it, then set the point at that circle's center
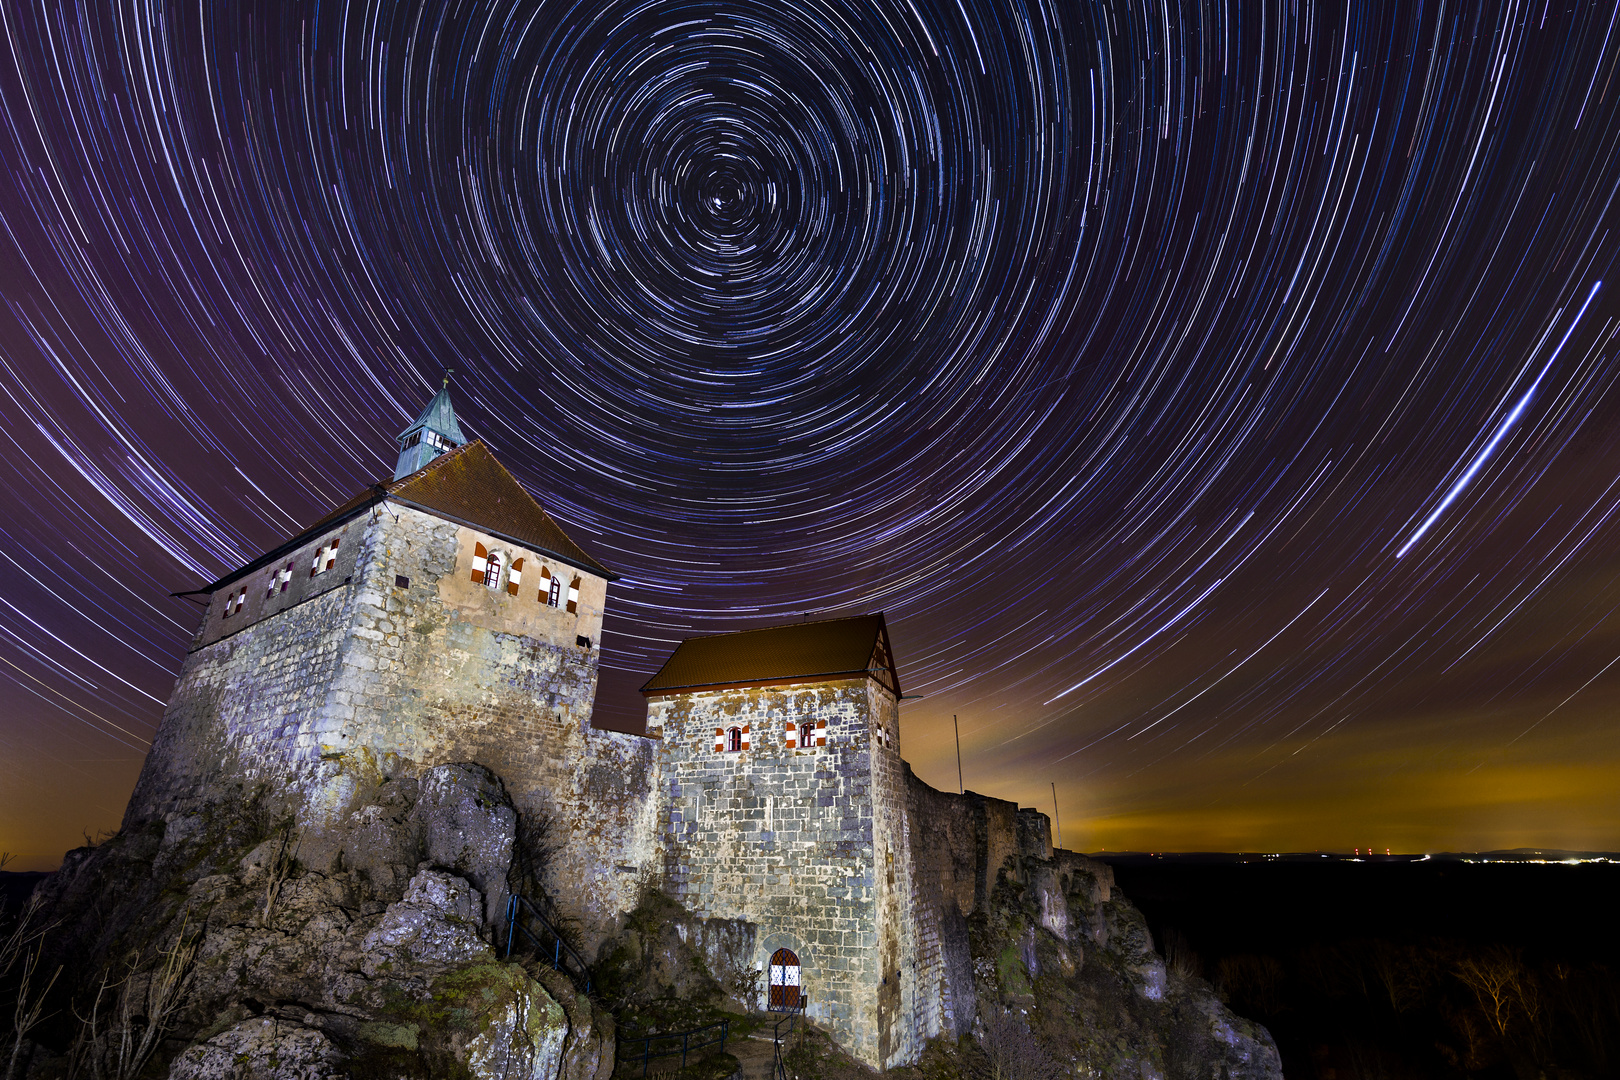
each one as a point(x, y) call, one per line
point(900, 1035)
point(784, 838)
point(253, 684)
point(450, 670)
point(395, 661)
point(961, 845)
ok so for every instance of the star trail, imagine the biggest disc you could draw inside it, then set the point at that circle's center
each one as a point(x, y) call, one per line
point(1218, 398)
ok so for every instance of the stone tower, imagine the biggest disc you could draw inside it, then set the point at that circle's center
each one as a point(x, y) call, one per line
point(439, 616)
point(785, 806)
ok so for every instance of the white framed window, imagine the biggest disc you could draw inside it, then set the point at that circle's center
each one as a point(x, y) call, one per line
point(325, 558)
point(492, 571)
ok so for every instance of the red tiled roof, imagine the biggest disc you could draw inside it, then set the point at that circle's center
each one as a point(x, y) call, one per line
point(469, 486)
point(807, 651)
point(466, 486)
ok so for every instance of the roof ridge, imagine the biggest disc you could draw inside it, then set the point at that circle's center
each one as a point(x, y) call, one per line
point(787, 626)
point(390, 486)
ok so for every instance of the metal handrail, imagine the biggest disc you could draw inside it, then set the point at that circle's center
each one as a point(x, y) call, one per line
point(793, 1018)
point(515, 905)
point(687, 1045)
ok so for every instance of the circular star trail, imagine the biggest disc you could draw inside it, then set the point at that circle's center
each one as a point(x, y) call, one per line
point(1218, 399)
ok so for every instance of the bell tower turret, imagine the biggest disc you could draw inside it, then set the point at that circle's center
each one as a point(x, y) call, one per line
point(433, 433)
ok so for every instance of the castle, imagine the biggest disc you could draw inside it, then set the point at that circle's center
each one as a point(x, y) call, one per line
point(443, 616)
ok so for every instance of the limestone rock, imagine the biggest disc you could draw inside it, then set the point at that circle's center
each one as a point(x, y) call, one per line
point(437, 923)
point(263, 1048)
point(468, 826)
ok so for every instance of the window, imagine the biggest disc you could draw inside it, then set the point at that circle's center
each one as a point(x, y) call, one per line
point(807, 735)
point(325, 558)
point(731, 740)
point(285, 577)
point(573, 596)
point(401, 581)
point(514, 577)
point(411, 440)
point(480, 562)
point(234, 602)
point(492, 573)
point(550, 585)
point(582, 641)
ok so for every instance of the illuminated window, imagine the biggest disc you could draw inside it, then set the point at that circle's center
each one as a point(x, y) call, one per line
point(325, 558)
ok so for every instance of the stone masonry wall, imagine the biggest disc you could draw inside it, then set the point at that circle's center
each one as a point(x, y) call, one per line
point(783, 838)
point(960, 845)
point(396, 661)
point(900, 1035)
point(251, 683)
point(445, 669)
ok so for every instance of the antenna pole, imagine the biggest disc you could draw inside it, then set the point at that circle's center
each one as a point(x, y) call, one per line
point(959, 788)
point(1055, 816)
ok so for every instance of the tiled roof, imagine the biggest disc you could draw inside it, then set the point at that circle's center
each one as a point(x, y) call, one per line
point(467, 486)
point(775, 654)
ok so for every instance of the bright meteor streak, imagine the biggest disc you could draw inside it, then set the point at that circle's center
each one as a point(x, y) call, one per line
point(1489, 448)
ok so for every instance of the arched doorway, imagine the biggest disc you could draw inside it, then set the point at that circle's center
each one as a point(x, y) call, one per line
point(785, 995)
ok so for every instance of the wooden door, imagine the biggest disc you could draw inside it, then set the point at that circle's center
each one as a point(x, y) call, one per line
point(784, 981)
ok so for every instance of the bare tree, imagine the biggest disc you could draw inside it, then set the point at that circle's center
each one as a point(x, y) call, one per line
point(1401, 974)
point(19, 960)
point(130, 1016)
point(1179, 956)
point(1500, 983)
point(281, 865)
point(1011, 1050)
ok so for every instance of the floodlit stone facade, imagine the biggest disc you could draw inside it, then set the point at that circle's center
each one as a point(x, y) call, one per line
point(388, 659)
point(416, 626)
point(809, 844)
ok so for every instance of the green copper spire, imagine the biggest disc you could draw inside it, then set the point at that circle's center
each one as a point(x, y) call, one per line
point(433, 433)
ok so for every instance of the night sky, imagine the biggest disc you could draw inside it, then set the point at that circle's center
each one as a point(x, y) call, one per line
point(1219, 401)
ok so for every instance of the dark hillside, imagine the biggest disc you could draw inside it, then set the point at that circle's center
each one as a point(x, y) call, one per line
point(1394, 967)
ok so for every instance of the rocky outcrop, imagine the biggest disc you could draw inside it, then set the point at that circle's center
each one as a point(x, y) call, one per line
point(1040, 957)
point(360, 947)
point(1095, 999)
